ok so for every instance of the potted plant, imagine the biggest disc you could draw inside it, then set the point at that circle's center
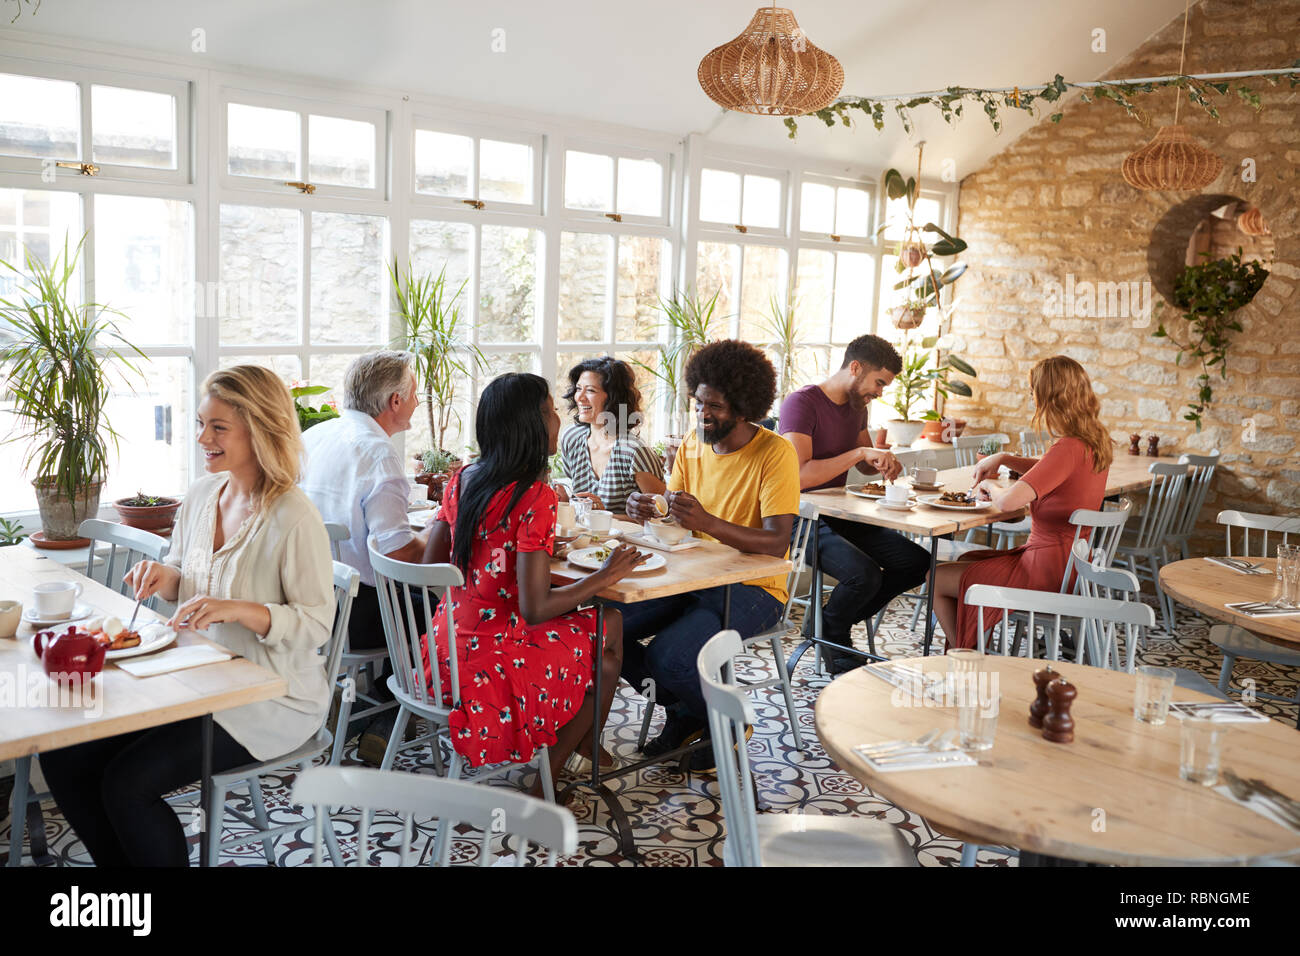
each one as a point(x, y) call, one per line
point(148, 512)
point(781, 324)
point(937, 427)
point(432, 329)
point(307, 415)
point(434, 469)
point(989, 446)
point(690, 327)
point(11, 533)
point(924, 367)
point(61, 357)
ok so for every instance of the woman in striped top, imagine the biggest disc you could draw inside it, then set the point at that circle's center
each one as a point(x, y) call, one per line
point(603, 456)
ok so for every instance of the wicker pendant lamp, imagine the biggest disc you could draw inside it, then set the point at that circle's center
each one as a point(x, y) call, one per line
point(1173, 159)
point(771, 69)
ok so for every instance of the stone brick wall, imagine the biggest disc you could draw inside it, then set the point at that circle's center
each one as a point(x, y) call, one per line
point(1052, 209)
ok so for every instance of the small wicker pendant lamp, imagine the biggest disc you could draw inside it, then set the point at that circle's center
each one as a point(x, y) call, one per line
point(771, 69)
point(1172, 160)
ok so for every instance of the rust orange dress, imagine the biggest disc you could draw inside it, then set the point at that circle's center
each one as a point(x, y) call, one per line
point(1064, 481)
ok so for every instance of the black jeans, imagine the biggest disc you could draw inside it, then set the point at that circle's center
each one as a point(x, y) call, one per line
point(111, 790)
point(872, 565)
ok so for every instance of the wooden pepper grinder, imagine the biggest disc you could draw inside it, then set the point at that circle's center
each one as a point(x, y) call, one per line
point(1038, 709)
point(1153, 446)
point(1133, 447)
point(1058, 725)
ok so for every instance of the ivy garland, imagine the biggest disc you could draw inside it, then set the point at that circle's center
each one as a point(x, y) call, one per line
point(951, 103)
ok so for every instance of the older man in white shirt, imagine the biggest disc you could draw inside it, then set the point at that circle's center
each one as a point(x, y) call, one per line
point(355, 477)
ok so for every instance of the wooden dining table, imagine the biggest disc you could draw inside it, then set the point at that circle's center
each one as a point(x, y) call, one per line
point(709, 564)
point(1112, 796)
point(32, 723)
point(1208, 588)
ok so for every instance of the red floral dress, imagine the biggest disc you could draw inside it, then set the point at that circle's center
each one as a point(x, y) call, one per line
point(519, 683)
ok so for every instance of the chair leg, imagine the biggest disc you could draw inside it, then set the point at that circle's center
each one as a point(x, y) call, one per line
point(784, 675)
point(18, 809)
point(212, 834)
point(259, 814)
point(968, 851)
point(645, 724)
point(399, 731)
point(544, 773)
point(920, 603)
point(1166, 602)
point(345, 714)
point(442, 840)
point(1225, 673)
point(435, 747)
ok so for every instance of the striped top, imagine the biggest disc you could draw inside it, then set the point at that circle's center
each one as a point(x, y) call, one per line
point(628, 456)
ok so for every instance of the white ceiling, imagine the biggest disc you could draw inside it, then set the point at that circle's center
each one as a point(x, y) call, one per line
point(634, 63)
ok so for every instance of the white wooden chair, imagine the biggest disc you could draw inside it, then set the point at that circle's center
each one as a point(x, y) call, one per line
point(967, 446)
point(1143, 552)
point(1200, 472)
point(491, 809)
point(777, 839)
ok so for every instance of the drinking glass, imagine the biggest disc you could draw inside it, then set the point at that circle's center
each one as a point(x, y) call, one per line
point(1155, 686)
point(1202, 743)
point(964, 666)
point(1288, 568)
point(977, 723)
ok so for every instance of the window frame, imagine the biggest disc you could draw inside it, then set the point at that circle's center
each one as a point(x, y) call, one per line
point(616, 153)
point(784, 175)
point(432, 123)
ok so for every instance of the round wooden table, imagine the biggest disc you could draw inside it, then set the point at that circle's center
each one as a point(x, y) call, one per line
point(1206, 587)
point(1113, 796)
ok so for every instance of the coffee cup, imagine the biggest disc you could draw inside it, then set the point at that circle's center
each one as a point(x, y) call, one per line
point(667, 532)
point(926, 476)
point(896, 494)
point(598, 522)
point(55, 599)
point(11, 613)
point(660, 505)
point(565, 516)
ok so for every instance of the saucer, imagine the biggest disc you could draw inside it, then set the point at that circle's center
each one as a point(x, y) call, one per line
point(906, 506)
point(79, 613)
point(922, 486)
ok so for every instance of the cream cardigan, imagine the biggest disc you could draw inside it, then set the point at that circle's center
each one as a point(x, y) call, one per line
point(279, 557)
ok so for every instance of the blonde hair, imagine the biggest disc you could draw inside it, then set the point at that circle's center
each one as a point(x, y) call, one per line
point(1065, 404)
point(266, 408)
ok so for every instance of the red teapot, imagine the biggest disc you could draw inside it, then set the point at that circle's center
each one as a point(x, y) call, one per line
point(73, 651)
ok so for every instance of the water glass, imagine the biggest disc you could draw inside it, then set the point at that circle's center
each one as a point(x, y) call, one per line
point(977, 722)
point(1288, 572)
point(1155, 687)
point(1202, 744)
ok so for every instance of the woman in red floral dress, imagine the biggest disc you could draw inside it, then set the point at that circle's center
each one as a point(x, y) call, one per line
point(525, 654)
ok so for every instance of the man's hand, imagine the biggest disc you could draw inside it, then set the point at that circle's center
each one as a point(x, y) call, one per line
point(688, 511)
point(641, 507)
point(883, 461)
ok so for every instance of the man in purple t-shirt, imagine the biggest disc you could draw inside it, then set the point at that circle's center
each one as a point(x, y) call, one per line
point(827, 424)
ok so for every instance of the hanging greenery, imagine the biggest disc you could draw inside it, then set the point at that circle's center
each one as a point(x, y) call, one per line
point(953, 101)
point(34, 4)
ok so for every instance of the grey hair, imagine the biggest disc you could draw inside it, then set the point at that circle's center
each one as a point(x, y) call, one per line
point(373, 379)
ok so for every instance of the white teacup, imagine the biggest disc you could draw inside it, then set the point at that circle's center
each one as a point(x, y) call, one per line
point(598, 522)
point(668, 533)
point(565, 516)
point(926, 476)
point(56, 599)
point(896, 494)
point(660, 505)
point(11, 613)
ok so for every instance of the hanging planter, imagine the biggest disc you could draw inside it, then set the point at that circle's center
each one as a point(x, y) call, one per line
point(908, 316)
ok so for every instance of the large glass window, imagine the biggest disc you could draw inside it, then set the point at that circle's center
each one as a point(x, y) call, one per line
point(464, 167)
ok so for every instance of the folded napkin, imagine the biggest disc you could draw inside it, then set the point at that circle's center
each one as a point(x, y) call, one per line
point(178, 658)
point(1259, 805)
point(916, 760)
point(1224, 713)
point(1250, 610)
point(1232, 566)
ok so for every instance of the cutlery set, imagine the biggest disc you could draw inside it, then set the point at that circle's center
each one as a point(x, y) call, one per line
point(1277, 802)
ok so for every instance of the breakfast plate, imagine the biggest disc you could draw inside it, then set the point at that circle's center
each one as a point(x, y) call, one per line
point(862, 492)
point(934, 502)
point(592, 559)
point(153, 637)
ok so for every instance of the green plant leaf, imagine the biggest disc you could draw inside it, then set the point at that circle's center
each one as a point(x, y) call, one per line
point(961, 365)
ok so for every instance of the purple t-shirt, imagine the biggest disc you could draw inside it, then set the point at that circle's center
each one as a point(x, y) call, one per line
point(834, 429)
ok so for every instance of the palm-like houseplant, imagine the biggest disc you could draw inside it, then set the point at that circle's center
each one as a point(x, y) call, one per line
point(434, 331)
point(782, 325)
point(690, 328)
point(60, 357)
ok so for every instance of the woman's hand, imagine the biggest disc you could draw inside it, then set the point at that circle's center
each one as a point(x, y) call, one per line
point(595, 502)
point(622, 561)
point(148, 578)
point(988, 467)
point(202, 611)
point(986, 489)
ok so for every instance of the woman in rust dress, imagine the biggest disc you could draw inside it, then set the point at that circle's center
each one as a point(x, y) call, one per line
point(1071, 475)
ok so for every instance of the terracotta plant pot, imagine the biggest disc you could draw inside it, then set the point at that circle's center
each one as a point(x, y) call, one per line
point(944, 429)
point(60, 515)
point(157, 518)
point(933, 430)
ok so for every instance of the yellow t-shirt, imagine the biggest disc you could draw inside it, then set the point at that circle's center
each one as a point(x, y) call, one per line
point(744, 487)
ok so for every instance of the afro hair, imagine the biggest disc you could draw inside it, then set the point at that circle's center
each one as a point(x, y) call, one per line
point(741, 372)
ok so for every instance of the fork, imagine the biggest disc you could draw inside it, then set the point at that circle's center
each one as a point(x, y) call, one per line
point(1246, 791)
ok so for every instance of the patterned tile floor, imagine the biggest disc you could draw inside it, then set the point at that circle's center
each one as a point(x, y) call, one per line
point(677, 818)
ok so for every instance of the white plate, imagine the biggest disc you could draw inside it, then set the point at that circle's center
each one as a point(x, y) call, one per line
point(933, 502)
point(419, 519)
point(642, 540)
point(586, 558)
point(153, 637)
point(857, 490)
point(79, 613)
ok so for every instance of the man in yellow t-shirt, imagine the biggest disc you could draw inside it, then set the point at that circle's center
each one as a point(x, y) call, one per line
point(733, 481)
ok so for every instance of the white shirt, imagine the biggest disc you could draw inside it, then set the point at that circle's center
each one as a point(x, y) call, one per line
point(279, 557)
point(355, 478)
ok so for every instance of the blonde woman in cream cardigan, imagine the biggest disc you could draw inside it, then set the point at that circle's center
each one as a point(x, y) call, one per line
point(250, 569)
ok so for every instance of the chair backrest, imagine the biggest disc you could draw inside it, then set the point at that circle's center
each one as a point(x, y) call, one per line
point(967, 446)
point(1093, 579)
point(1053, 607)
point(338, 534)
point(1164, 499)
point(1034, 444)
point(491, 809)
point(127, 546)
point(347, 580)
point(1103, 528)
point(1284, 525)
point(804, 536)
point(402, 588)
point(1201, 470)
point(729, 711)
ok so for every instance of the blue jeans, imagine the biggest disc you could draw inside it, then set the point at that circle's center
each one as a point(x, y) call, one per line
point(872, 565)
point(681, 625)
